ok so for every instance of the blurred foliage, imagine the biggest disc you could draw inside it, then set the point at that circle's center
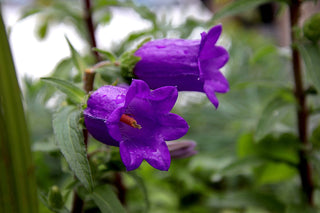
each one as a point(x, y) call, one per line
point(248, 148)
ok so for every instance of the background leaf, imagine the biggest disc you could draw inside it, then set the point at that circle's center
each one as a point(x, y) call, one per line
point(75, 94)
point(18, 185)
point(238, 6)
point(107, 200)
point(71, 143)
point(76, 58)
point(311, 57)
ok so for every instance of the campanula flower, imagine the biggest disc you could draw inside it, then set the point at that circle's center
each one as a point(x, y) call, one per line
point(137, 120)
point(191, 65)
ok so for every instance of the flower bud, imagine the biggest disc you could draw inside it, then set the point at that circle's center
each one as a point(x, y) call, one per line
point(181, 149)
point(55, 198)
point(311, 28)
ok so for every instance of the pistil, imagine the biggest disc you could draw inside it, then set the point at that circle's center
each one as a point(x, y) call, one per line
point(130, 121)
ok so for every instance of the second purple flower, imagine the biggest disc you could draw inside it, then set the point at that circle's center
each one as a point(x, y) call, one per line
point(191, 65)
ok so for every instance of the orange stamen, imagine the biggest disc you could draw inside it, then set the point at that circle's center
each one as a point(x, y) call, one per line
point(130, 121)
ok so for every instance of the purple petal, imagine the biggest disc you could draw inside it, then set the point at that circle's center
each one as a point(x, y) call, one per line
point(209, 89)
point(160, 158)
point(213, 58)
point(163, 99)
point(99, 130)
point(210, 38)
point(173, 126)
point(132, 154)
point(138, 88)
point(112, 123)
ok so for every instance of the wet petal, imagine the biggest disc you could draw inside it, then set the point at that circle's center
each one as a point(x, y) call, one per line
point(173, 126)
point(163, 99)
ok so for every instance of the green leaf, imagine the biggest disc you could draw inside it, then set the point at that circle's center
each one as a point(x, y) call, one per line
point(107, 200)
point(237, 7)
point(284, 148)
point(245, 199)
point(143, 188)
point(18, 191)
point(77, 60)
point(75, 94)
point(63, 69)
point(108, 54)
point(261, 53)
point(71, 143)
point(273, 112)
point(311, 57)
point(274, 173)
point(42, 30)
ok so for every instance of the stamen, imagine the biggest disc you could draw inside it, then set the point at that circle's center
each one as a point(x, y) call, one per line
point(130, 121)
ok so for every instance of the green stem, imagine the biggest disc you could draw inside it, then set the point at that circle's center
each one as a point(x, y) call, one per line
point(302, 111)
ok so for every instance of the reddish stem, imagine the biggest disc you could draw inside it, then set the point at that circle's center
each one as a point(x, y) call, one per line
point(302, 111)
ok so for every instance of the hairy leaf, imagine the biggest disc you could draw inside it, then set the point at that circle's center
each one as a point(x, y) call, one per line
point(71, 143)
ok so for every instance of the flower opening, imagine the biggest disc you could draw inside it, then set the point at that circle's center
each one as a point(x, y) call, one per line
point(108, 119)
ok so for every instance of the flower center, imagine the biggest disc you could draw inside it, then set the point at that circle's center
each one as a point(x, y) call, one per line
point(130, 121)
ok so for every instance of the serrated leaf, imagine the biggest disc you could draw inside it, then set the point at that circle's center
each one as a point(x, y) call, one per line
point(75, 94)
point(107, 200)
point(311, 57)
point(77, 60)
point(237, 7)
point(70, 140)
point(108, 54)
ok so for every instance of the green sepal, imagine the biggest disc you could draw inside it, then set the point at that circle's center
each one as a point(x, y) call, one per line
point(128, 61)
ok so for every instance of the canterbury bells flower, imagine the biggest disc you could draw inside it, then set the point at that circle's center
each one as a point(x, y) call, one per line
point(191, 65)
point(137, 120)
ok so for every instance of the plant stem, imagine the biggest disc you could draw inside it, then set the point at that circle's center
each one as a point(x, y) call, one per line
point(302, 111)
point(88, 82)
point(90, 27)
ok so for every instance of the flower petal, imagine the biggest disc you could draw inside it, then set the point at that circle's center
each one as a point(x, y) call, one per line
point(214, 57)
point(160, 158)
point(209, 89)
point(210, 38)
point(138, 88)
point(133, 153)
point(164, 98)
point(173, 127)
point(112, 123)
point(99, 130)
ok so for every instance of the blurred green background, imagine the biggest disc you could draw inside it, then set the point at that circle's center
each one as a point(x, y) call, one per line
point(247, 159)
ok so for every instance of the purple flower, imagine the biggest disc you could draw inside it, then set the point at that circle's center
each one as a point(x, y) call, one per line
point(137, 120)
point(191, 65)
